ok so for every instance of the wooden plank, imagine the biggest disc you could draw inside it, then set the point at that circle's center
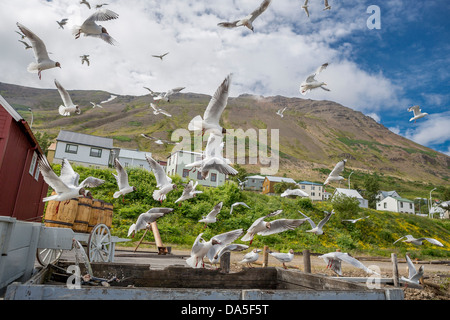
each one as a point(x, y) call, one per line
point(395, 269)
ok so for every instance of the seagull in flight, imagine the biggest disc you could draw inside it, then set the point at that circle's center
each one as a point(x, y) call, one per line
point(281, 111)
point(419, 241)
point(86, 3)
point(318, 229)
point(98, 6)
point(157, 111)
point(96, 105)
point(166, 95)
point(311, 83)
point(248, 20)
point(335, 173)
point(43, 61)
point(327, 6)
point(91, 29)
point(305, 7)
point(238, 204)
point(122, 181)
point(334, 259)
point(211, 217)
point(160, 56)
point(417, 113)
point(414, 276)
point(62, 23)
point(145, 219)
point(354, 220)
point(189, 191)
point(85, 58)
point(163, 182)
point(68, 106)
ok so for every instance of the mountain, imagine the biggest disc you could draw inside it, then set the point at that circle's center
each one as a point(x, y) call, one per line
point(313, 135)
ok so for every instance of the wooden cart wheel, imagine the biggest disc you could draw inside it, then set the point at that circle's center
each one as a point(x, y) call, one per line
point(48, 256)
point(99, 244)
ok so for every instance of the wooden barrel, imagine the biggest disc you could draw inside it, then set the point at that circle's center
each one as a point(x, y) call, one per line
point(61, 214)
point(108, 214)
point(96, 214)
point(83, 215)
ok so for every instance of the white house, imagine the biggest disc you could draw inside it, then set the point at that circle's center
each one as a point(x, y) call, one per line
point(254, 183)
point(83, 149)
point(383, 194)
point(363, 203)
point(396, 204)
point(133, 158)
point(176, 164)
point(314, 189)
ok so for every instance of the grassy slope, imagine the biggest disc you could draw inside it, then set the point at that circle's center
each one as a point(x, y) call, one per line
point(373, 236)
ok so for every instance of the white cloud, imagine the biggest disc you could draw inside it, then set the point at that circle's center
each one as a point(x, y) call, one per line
point(374, 116)
point(433, 130)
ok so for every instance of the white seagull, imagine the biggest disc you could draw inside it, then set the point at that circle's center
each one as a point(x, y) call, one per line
point(419, 241)
point(27, 46)
point(334, 259)
point(153, 93)
point(160, 56)
point(327, 7)
point(201, 247)
point(71, 178)
point(219, 251)
point(318, 229)
point(414, 276)
point(166, 95)
point(64, 192)
point(163, 182)
point(238, 204)
point(157, 141)
point(211, 217)
point(354, 220)
point(283, 257)
point(311, 83)
point(214, 110)
point(62, 23)
point(157, 111)
point(96, 105)
point(122, 181)
point(265, 228)
point(189, 191)
point(251, 257)
point(68, 106)
point(294, 192)
point(248, 20)
point(417, 113)
point(335, 173)
point(305, 7)
point(146, 219)
point(281, 111)
point(43, 62)
point(90, 28)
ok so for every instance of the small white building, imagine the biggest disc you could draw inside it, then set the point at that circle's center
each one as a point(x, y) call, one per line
point(384, 194)
point(133, 158)
point(396, 204)
point(83, 149)
point(254, 183)
point(314, 189)
point(363, 203)
point(176, 165)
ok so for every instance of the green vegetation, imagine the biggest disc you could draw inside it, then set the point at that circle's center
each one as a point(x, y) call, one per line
point(372, 236)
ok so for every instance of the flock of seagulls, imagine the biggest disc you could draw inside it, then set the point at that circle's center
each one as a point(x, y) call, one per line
point(67, 185)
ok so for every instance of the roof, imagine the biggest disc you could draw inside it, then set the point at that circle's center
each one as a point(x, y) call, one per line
point(133, 154)
point(349, 193)
point(255, 177)
point(85, 139)
point(10, 109)
point(280, 179)
point(311, 183)
point(402, 199)
point(387, 193)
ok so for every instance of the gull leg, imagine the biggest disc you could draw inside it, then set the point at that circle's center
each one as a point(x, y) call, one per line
point(39, 74)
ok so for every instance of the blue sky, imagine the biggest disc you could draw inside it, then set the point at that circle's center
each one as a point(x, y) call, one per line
point(378, 72)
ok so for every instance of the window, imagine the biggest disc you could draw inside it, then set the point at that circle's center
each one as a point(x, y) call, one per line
point(313, 188)
point(213, 177)
point(97, 153)
point(185, 173)
point(126, 164)
point(33, 164)
point(303, 187)
point(36, 175)
point(410, 206)
point(199, 175)
point(385, 205)
point(401, 204)
point(313, 194)
point(71, 148)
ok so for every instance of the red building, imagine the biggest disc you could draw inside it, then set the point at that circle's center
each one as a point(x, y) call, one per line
point(21, 186)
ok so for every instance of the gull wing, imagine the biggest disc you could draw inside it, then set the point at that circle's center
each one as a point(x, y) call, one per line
point(40, 51)
point(411, 268)
point(197, 245)
point(338, 169)
point(50, 176)
point(102, 15)
point(431, 240)
point(218, 102)
point(281, 225)
point(313, 225)
point(228, 24)
point(324, 220)
point(68, 175)
point(415, 109)
point(228, 237)
point(64, 94)
point(91, 182)
point(257, 12)
point(122, 176)
point(160, 175)
point(354, 262)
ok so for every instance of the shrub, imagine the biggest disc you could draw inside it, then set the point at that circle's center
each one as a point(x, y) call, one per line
point(345, 207)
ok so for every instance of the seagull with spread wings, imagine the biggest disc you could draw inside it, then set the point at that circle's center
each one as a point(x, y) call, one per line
point(327, 6)
point(68, 106)
point(161, 56)
point(335, 174)
point(163, 182)
point(419, 241)
point(71, 178)
point(414, 276)
point(157, 111)
point(248, 20)
point(417, 113)
point(62, 23)
point(334, 260)
point(281, 111)
point(43, 61)
point(305, 7)
point(189, 191)
point(238, 204)
point(318, 229)
point(122, 181)
point(92, 29)
point(311, 83)
point(211, 217)
point(265, 228)
point(166, 95)
point(214, 110)
point(146, 219)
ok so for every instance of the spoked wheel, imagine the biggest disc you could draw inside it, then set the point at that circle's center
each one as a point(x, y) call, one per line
point(47, 256)
point(99, 244)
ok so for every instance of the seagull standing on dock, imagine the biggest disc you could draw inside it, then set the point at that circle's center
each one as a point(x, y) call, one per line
point(283, 257)
point(251, 257)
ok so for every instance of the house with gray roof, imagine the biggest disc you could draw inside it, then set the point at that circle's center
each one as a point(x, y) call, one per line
point(83, 149)
point(314, 189)
point(384, 194)
point(133, 158)
point(363, 203)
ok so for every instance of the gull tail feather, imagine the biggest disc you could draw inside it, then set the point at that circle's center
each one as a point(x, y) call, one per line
point(32, 67)
point(50, 198)
point(196, 123)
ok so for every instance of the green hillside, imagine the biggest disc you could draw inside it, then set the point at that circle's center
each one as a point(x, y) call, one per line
point(372, 236)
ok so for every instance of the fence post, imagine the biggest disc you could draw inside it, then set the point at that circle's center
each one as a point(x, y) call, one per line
point(306, 261)
point(266, 256)
point(395, 269)
point(225, 262)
